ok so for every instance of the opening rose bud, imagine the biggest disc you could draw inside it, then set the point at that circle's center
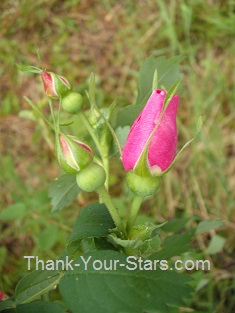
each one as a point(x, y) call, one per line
point(55, 85)
point(73, 155)
point(162, 147)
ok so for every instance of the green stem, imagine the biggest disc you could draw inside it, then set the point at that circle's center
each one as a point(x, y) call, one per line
point(52, 113)
point(91, 130)
point(45, 297)
point(137, 201)
point(104, 195)
point(106, 168)
point(105, 160)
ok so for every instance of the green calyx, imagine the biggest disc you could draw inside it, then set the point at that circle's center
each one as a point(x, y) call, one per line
point(91, 178)
point(142, 186)
point(72, 103)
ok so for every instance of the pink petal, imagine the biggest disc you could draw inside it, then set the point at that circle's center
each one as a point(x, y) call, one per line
point(48, 83)
point(163, 145)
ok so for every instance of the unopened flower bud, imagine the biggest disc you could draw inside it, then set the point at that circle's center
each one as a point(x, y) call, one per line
point(55, 85)
point(73, 154)
point(142, 186)
point(91, 178)
point(162, 147)
point(72, 103)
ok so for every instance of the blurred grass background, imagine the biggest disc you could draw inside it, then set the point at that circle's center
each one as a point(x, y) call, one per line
point(112, 38)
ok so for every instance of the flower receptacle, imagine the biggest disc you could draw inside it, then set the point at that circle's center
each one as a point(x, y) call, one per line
point(91, 178)
point(142, 186)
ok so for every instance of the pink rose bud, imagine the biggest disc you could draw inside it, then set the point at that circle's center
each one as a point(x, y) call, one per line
point(73, 154)
point(162, 148)
point(55, 85)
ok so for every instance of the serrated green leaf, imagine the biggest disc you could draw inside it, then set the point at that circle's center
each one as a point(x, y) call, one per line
point(168, 72)
point(63, 191)
point(93, 220)
point(175, 224)
point(121, 290)
point(37, 307)
point(35, 284)
point(205, 226)
point(126, 116)
point(174, 245)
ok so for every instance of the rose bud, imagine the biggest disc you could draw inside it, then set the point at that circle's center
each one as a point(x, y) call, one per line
point(152, 138)
point(73, 155)
point(55, 85)
point(162, 148)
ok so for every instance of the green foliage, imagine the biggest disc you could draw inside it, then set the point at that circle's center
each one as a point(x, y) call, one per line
point(63, 191)
point(168, 74)
point(14, 211)
point(35, 284)
point(36, 307)
point(93, 220)
point(174, 245)
point(216, 245)
point(205, 226)
point(119, 290)
point(48, 237)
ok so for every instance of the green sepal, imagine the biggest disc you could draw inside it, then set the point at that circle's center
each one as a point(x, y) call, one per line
point(28, 69)
point(144, 231)
point(170, 94)
point(155, 80)
point(141, 240)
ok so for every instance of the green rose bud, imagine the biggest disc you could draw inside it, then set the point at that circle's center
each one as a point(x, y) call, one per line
point(142, 186)
point(55, 85)
point(91, 178)
point(72, 103)
point(73, 154)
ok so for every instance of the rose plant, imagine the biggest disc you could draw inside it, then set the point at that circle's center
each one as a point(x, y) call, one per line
point(102, 233)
